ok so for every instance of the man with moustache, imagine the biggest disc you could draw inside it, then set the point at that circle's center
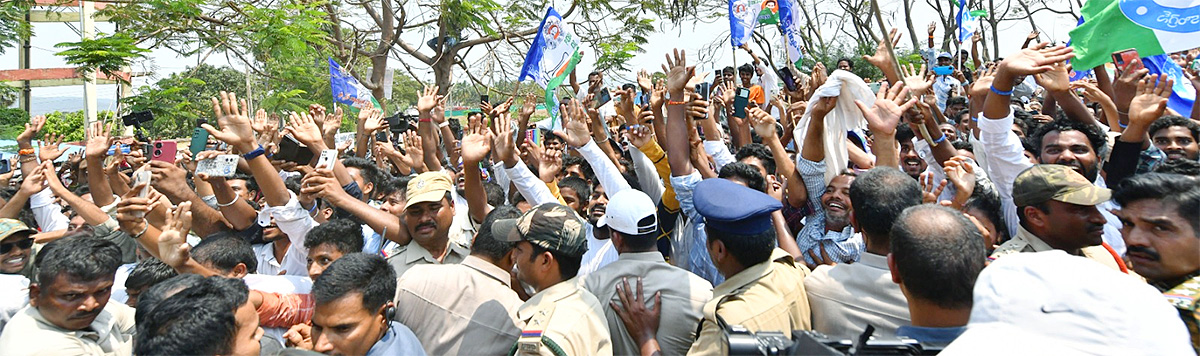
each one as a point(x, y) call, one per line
point(1057, 210)
point(69, 312)
point(1159, 212)
point(428, 214)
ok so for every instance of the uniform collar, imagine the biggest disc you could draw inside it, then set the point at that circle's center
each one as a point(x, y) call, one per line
point(488, 269)
point(1033, 241)
point(872, 260)
point(418, 252)
point(550, 296)
point(751, 274)
point(652, 256)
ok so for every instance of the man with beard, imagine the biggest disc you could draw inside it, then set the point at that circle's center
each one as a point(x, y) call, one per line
point(561, 318)
point(1057, 210)
point(69, 312)
point(1066, 142)
point(1159, 212)
point(827, 230)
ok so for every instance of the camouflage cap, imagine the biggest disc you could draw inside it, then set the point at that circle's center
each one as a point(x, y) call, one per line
point(552, 226)
point(8, 227)
point(1045, 182)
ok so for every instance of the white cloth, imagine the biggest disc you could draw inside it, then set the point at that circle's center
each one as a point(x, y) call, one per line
point(119, 294)
point(719, 152)
point(295, 260)
point(847, 87)
point(530, 187)
point(14, 295)
point(768, 82)
point(47, 213)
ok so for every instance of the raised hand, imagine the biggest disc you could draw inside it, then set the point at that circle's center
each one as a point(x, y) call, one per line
point(304, 129)
point(1151, 100)
point(173, 249)
point(658, 95)
point(31, 129)
point(697, 108)
point(983, 82)
point(915, 78)
point(882, 58)
point(1036, 59)
point(932, 27)
point(823, 106)
point(476, 145)
point(549, 163)
point(320, 183)
point(260, 121)
point(679, 74)
point(49, 149)
point(640, 135)
point(929, 189)
point(763, 123)
point(1125, 86)
point(1033, 35)
point(890, 105)
point(429, 99)
point(529, 106)
point(1090, 92)
point(577, 132)
point(332, 122)
point(236, 129)
point(977, 37)
point(374, 120)
point(502, 108)
point(961, 174)
point(98, 140)
point(644, 81)
point(438, 115)
point(1055, 80)
point(35, 182)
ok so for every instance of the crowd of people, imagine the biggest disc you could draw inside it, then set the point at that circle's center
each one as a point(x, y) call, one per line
point(998, 206)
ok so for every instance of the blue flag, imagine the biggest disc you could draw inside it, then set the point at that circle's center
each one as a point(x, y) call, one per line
point(551, 58)
point(789, 25)
point(1076, 73)
point(349, 91)
point(967, 22)
point(1183, 95)
point(743, 18)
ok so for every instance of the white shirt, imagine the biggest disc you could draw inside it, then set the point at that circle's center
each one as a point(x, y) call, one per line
point(294, 221)
point(599, 253)
point(295, 260)
point(14, 295)
point(1006, 159)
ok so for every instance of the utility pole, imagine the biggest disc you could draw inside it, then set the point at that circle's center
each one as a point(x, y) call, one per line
point(88, 29)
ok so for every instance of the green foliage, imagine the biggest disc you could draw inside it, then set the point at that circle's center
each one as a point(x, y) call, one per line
point(8, 95)
point(104, 54)
point(180, 99)
point(12, 23)
point(12, 122)
point(70, 124)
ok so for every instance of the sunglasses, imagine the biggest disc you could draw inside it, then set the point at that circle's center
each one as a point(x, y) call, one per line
point(8, 246)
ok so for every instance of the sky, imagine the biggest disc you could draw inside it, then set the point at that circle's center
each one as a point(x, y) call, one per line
point(691, 37)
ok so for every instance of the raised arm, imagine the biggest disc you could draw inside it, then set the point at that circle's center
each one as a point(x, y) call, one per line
point(1057, 82)
point(814, 138)
point(98, 142)
point(676, 140)
point(427, 129)
point(475, 147)
point(321, 184)
point(882, 118)
point(1033, 60)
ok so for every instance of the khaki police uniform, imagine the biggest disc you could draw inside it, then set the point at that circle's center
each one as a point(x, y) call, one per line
point(1025, 241)
point(412, 254)
point(768, 296)
point(564, 319)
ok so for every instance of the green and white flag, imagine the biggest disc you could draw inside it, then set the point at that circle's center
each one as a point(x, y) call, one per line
point(1152, 27)
point(551, 58)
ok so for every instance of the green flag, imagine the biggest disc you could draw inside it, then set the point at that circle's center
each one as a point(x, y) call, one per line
point(1115, 25)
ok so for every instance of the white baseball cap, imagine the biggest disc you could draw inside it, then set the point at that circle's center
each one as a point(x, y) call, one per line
point(625, 213)
point(1026, 301)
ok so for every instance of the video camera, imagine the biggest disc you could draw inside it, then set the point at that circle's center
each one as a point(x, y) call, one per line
point(744, 342)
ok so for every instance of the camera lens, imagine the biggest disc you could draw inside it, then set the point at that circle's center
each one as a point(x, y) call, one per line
point(158, 145)
point(157, 152)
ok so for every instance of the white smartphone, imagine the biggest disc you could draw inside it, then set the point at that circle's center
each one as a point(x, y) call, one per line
point(141, 177)
point(220, 166)
point(327, 159)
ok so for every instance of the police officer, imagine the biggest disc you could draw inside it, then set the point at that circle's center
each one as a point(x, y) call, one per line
point(764, 290)
point(1056, 207)
point(560, 318)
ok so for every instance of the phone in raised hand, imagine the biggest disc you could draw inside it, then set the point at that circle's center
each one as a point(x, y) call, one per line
point(327, 159)
point(141, 177)
point(220, 166)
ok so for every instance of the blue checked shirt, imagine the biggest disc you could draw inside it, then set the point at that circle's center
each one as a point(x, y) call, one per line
point(842, 246)
point(694, 238)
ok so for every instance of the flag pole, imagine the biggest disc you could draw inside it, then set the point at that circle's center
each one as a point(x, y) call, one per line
point(887, 43)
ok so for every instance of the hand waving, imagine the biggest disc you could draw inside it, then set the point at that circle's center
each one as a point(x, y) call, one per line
point(305, 130)
point(236, 129)
point(429, 99)
point(1055, 80)
point(915, 79)
point(49, 150)
point(678, 73)
point(1036, 59)
point(890, 105)
point(1151, 100)
point(172, 242)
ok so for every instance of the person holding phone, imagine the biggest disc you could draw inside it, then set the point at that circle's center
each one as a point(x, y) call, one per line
point(598, 90)
point(944, 81)
point(767, 82)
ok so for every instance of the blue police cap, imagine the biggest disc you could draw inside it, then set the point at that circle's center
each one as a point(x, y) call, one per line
point(733, 208)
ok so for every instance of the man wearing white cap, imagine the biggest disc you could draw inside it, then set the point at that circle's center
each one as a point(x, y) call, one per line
point(632, 220)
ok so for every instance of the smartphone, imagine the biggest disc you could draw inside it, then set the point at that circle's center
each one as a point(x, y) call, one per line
point(604, 98)
point(199, 138)
point(704, 89)
point(5, 166)
point(125, 149)
point(484, 99)
point(740, 100)
point(1123, 58)
point(219, 166)
point(1196, 64)
point(789, 80)
point(534, 135)
point(943, 70)
point(163, 151)
point(327, 159)
point(291, 150)
point(717, 76)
